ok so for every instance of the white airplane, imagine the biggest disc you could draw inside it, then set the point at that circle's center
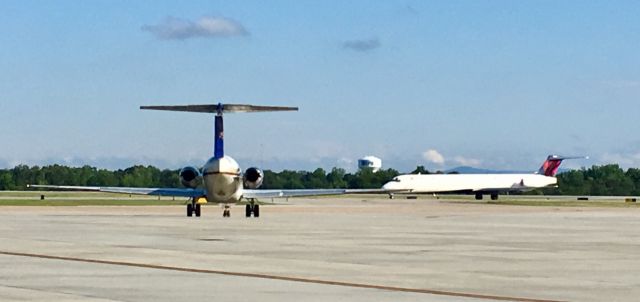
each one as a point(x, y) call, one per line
point(220, 180)
point(478, 184)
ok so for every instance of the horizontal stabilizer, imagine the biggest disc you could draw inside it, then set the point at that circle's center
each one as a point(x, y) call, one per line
point(220, 108)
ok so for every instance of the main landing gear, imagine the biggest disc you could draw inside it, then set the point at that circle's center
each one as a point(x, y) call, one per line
point(252, 208)
point(494, 196)
point(193, 208)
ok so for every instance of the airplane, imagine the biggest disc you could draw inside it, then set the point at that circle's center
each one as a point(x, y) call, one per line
point(478, 184)
point(220, 180)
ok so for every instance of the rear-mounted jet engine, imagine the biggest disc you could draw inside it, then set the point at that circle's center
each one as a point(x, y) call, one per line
point(190, 177)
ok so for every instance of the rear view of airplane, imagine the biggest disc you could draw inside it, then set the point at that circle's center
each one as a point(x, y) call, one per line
point(220, 180)
point(478, 184)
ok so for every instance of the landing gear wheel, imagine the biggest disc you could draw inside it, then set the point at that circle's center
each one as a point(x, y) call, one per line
point(226, 212)
point(478, 196)
point(197, 210)
point(256, 211)
point(189, 210)
point(494, 196)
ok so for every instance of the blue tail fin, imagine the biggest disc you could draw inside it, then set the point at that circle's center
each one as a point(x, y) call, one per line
point(218, 140)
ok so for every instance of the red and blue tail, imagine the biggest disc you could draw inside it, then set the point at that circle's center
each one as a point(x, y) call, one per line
point(552, 164)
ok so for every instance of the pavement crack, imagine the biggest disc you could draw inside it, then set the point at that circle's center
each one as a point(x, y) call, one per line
point(281, 278)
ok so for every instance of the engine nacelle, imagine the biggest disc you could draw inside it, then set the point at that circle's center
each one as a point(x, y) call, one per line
point(253, 178)
point(190, 177)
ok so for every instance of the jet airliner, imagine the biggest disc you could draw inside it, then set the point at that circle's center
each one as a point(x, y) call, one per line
point(478, 184)
point(220, 180)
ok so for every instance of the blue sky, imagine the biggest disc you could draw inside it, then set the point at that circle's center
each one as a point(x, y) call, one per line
point(492, 84)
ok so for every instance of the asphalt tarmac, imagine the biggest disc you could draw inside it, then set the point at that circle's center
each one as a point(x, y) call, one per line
point(337, 249)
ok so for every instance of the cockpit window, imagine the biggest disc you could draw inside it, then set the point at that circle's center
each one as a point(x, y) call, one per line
point(396, 179)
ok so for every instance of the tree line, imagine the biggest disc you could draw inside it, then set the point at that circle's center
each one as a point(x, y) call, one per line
point(597, 180)
point(607, 180)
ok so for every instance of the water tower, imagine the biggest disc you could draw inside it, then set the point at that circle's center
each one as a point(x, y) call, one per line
point(370, 162)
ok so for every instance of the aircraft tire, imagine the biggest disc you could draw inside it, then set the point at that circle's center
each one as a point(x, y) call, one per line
point(256, 211)
point(197, 210)
point(494, 196)
point(478, 196)
point(189, 210)
point(247, 210)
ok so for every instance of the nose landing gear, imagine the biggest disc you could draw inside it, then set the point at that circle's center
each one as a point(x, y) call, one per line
point(227, 211)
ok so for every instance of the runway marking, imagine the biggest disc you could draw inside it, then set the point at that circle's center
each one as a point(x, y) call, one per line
point(282, 278)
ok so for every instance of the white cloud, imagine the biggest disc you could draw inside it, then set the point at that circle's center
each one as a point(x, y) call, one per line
point(172, 28)
point(433, 156)
point(467, 161)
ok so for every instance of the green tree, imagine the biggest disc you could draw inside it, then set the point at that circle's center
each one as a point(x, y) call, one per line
point(420, 170)
point(6, 180)
point(292, 179)
point(272, 180)
point(634, 175)
point(335, 178)
point(141, 176)
point(316, 179)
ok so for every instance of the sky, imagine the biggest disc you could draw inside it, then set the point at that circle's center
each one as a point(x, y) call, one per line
point(489, 84)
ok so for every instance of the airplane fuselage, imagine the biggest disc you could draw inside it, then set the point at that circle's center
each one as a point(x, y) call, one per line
point(435, 183)
point(222, 180)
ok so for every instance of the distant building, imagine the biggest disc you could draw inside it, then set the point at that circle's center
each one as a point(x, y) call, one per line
point(370, 162)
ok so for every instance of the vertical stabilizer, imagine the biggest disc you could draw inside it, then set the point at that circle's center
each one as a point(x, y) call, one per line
point(218, 140)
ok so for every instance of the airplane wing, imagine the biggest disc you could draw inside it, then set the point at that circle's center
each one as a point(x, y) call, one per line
point(200, 192)
point(480, 190)
point(517, 186)
point(126, 190)
point(306, 192)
